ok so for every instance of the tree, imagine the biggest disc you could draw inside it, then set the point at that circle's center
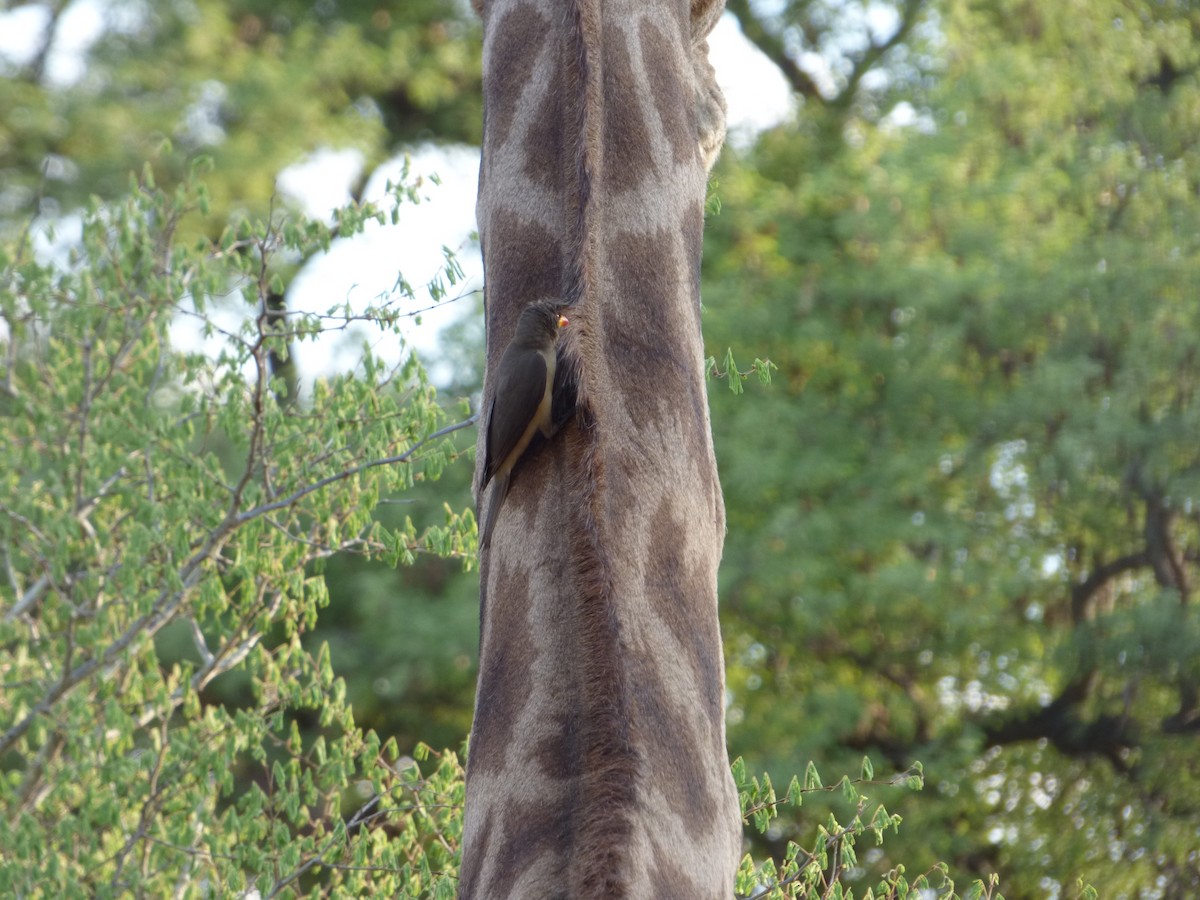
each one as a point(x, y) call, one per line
point(151, 496)
point(967, 533)
point(970, 534)
point(153, 499)
point(255, 86)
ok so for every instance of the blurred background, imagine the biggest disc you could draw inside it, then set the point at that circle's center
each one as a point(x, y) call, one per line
point(964, 518)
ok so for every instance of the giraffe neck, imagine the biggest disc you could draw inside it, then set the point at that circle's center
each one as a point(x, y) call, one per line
point(597, 762)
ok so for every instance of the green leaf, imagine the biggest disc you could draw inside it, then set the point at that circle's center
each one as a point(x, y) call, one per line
point(795, 796)
point(812, 779)
point(731, 373)
point(738, 768)
point(868, 770)
point(849, 791)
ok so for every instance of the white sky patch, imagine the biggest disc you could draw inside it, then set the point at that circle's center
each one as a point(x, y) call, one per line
point(365, 269)
point(757, 93)
point(22, 30)
point(18, 28)
point(905, 115)
point(79, 28)
point(322, 182)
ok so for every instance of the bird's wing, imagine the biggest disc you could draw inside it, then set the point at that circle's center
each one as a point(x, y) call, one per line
point(520, 387)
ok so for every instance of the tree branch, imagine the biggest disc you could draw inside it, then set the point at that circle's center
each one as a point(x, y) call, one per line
point(296, 495)
point(36, 69)
point(163, 610)
point(1059, 723)
point(909, 15)
point(1082, 594)
point(1169, 571)
point(168, 603)
point(773, 48)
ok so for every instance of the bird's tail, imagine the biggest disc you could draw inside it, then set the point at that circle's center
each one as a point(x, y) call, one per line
point(499, 490)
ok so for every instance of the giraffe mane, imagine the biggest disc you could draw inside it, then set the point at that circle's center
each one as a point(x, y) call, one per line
point(609, 762)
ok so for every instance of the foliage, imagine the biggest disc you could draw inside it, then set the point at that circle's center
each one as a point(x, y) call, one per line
point(171, 719)
point(970, 532)
point(831, 868)
point(967, 532)
point(255, 86)
point(735, 377)
point(150, 496)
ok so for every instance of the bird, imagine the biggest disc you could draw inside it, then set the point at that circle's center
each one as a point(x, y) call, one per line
point(521, 403)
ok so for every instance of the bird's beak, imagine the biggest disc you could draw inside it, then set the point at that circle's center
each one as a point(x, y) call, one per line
point(563, 321)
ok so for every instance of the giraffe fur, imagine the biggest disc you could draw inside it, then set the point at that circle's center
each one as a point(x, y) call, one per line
point(597, 764)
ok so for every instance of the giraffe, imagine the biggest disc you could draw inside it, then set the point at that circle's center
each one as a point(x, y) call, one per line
point(597, 764)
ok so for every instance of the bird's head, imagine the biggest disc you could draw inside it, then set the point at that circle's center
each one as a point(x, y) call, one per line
point(542, 321)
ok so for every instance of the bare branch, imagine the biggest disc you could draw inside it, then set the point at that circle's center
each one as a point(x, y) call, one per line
point(150, 808)
point(368, 812)
point(162, 611)
point(86, 506)
point(299, 494)
point(30, 597)
point(909, 15)
point(168, 604)
point(206, 656)
point(1083, 593)
point(32, 787)
point(36, 69)
point(773, 48)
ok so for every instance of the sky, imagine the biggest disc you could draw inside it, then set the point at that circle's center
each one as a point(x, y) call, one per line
point(365, 268)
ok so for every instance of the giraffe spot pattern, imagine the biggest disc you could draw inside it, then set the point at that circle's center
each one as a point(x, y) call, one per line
point(547, 151)
point(675, 771)
point(648, 343)
point(692, 235)
point(534, 830)
point(533, 469)
point(667, 85)
point(589, 722)
point(673, 589)
point(556, 753)
point(505, 677)
point(472, 863)
point(524, 260)
point(626, 139)
point(669, 879)
point(516, 37)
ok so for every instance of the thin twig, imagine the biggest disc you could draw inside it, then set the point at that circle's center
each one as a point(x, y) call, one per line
point(30, 597)
point(299, 494)
point(206, 655)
